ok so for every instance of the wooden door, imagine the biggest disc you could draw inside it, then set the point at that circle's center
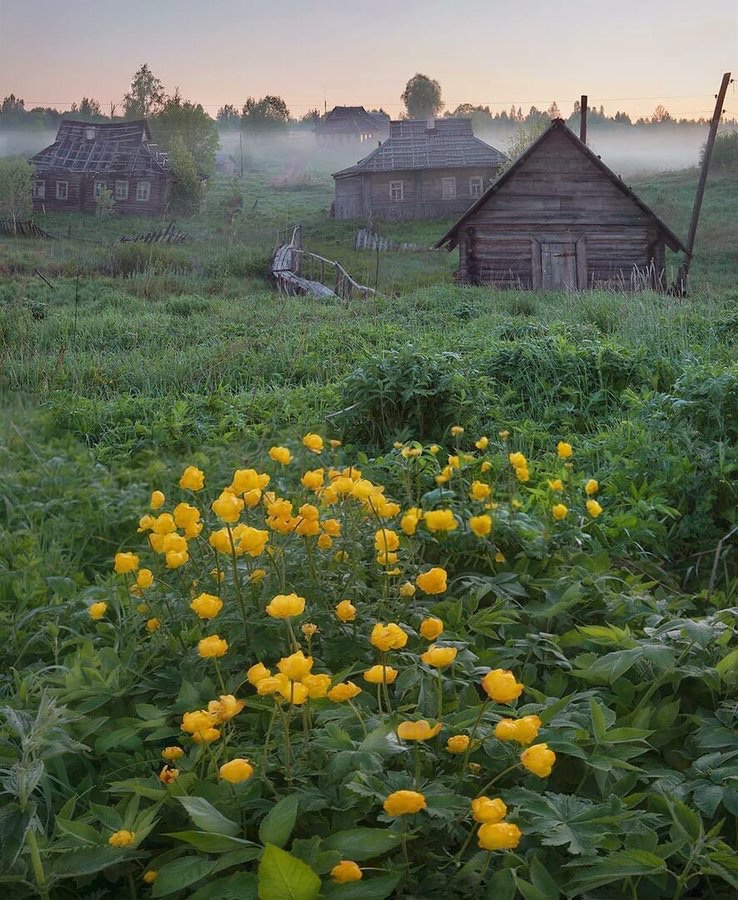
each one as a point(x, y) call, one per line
point(559, 264)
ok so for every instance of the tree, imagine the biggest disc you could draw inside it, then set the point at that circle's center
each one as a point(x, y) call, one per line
point(146, 96)
point(311, 118)
point(16, 189)
point(186, 193)
point(422, 97)
point(553, 112)
point(188, 121)
point(89, 108)
point(724, 153)
point(268, 114)
point(228, 116)
point(12, 107)
point(661, 114)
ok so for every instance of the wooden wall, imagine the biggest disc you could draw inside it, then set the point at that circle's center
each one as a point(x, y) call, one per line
point(81, 196)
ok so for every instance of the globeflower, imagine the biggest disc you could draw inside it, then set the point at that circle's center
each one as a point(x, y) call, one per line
point(150, 876)
point(317, 685)
point(593, 508)
point(481, 526)
point(296, 666)
point(406, 590)
point(439, 657)
point(225, 708)
point(499, 836)
point(343, 692)
point(227, 507)
point(486, 811)
point(456, 430)
point(345, 872)
point(538, 759)
point(409, 521)
point(523, 730)
point(559, 511)
point(430, 628)
point(252, 541)
point(313, 442)
point(122, 838)
point(125, 562)
point(175, 558)
point(193, 479)
point(168, 775)
point(200, 725)
point(144, 579)
point(236, 771)
point(402, 803)
point(157, 499)
point(281, 455)
point(564, 450)
point(381, 675)
point(501, 686)
point(459, 743)
point(480, 490)
point(97, 610)
point(212, 647)
point(272, 684)
point(206, 606)
point(172, 753)
point(388, 637)
point(386, 540)
point(556, 484)
point(440, 520)
point(295, 692)
point(346, 611)
point(153, 625)
point(313, 479)
point(482, 443)
point(433, 581)
point(284, 606)
point(417, 731)
point(257, 673)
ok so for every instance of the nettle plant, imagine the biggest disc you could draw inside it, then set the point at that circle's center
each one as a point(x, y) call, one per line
point(306, 688)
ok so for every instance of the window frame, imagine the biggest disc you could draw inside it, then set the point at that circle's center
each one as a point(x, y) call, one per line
point(62, 195)
point(98, 188)
point(119, 194)
point(147, 186)
point(446, 182)
point(476, 186)
point(397, 191)
point(39, 189)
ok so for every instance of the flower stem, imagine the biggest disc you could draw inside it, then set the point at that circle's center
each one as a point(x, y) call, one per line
point(497, 778)
point(465, 760)
point(38, 866)
point(359, 717)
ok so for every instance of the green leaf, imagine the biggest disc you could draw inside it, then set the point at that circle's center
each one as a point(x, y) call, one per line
point(283, 876)
point(360, 844)
point(727, 668)
point(278, 823)
point(180, 874)
point(541, 878)
point(366, 889)
point(241, 886)
point(81, 831)
point(62, 587)
point(528, 890)
point(625, 735)
point(86, 861)
point(207, 817)
point(502, 886)
point(623, 864)
point(599, 723)
point(686, 820)
point(210, 842)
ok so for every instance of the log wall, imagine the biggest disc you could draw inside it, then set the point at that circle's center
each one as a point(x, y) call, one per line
point(81, 194)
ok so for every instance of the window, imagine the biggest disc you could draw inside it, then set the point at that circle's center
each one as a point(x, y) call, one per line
point(397, 190)
point(448, 188)
point(39, 190)
point(143, 191)
point(476, 186)
point(121, 190)
point(62, 190)
point(99, 188)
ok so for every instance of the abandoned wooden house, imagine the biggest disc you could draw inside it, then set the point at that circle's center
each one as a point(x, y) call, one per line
point(424, 170)
point(351, 125)
point(560, 219)
point(86, 159)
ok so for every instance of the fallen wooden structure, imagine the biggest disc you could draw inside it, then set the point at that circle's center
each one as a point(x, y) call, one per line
point(296, 271)
point(366, 239)
point(170, 234)
point(17, 228)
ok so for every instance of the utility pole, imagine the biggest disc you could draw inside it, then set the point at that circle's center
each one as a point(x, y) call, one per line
point(240, 144)
point(680, 288)
point(583, 119)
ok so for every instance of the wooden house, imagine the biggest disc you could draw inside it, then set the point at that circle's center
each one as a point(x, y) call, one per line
point(560, 219)
point(424, 170)
point(350, 125)
point(87, 158)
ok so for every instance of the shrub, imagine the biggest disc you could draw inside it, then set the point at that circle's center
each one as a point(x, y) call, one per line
point(725, 153)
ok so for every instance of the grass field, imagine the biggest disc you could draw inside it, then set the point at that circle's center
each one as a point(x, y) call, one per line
point(134, 361)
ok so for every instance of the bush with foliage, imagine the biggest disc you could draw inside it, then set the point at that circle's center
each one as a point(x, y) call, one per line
point(186, 191)
point(16, 184)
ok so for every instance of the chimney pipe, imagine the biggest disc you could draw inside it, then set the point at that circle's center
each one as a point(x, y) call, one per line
point(583, 119)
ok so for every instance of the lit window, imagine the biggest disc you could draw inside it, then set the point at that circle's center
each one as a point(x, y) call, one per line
point(143, 191)
point(39, 190)
point(397, 190)
point(62, 190)
point(475, 186)
point(448, 188)
point(99, 188)
point(121, 190)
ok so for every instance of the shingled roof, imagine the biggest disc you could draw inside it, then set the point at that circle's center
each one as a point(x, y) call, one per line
point(92, 148)
point(353, 120)
point(416, 144)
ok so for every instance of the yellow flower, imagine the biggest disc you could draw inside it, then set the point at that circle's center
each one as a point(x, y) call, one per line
point(346, 611)
point(488, 811)
point(564, 450)
point(313, 479)
point(386, 540)
point(150, 876)
point(257, 575)
point(433, 581)
point(345, 872)
point(501, 686)
point(246, 481)
point(225, 708)
point(257, 673)
point(125, 562)
point(439, 657)
point(176, 558)
point(236, 771)
point(430, 628)
point(445, 475)
point(417, 731)
point(517, 460)
point(144, 579)
point(157, 499)
point(440, 520)
point(168, 775)
point(486, 466)
point(522, 730)
point(409, 521)
point(317, 685)
point(456, 430)
point(281, 455)
point(559, 511)
point(97, 610)
point(480, 490)
point(459, 743)
point(504, 434)
point(411, 452)
point(500, 557)
point(434, 449)
point(200, 725)
point(206, 606)
point(227, 507)
point(407, 590)
point(325, 541)
point(284, 606)
point(170, 754)
point(335, 443)
point(122, 838)
point(272, 685)
point(481, 526)
point(522, 474)
point(331, 527)
point(401, 803)
point(388, 637)
point(153, 625)
point(164, 524)
point(380, 675)
point(538, 759)
point(482, 443)
point(499, 836)
point(251, 540)
point(212, 647)
point(342, 692)
point(296, 666)
point(313, 442)
point(193, 479)
point(593, 508)
point(556, 484)
point(309, 629)
point(591, 487)
point(294, 692)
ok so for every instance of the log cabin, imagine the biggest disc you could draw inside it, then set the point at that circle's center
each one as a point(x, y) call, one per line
point(559, 219)
point(88, 157)
point(351, 125)
point(424, 170)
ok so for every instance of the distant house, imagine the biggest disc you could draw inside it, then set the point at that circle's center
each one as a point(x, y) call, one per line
point(86, 158)
point(351, 125)
point(424, 170)
point(560, 219)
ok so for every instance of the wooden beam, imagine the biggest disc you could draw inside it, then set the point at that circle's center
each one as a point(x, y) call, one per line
point(583, 119)
point(680, 287)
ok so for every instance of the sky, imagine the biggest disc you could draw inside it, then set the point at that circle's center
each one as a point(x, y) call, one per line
point(628, 55)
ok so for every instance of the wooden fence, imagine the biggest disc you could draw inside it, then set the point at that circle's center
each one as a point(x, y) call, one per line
point(17, 228)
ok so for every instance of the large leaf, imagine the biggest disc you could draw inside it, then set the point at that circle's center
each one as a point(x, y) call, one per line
point(359, 844)
point(207, 817)
point(615, 867)
point(211, 842)
point(278, 823)
point(86, 861)
point(283, 876)
point(180, 873)
point(240, 886)
point(367, 889)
